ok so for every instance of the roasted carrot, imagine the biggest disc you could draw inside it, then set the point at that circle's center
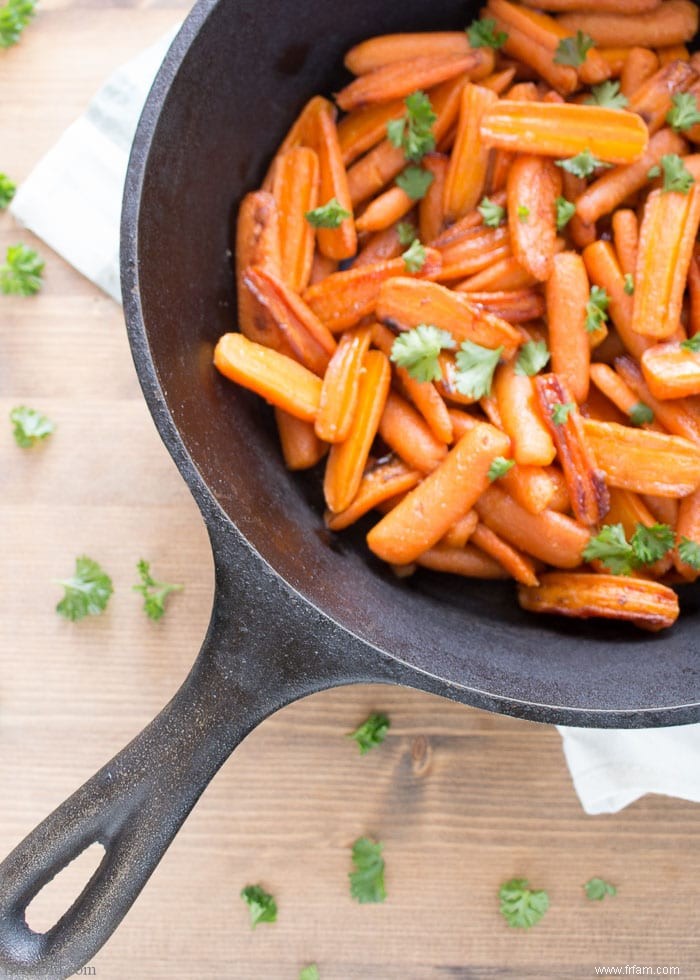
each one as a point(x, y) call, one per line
point(676, 416)
point(303, 133)
point(653, 99)
point(534, 184)
point(676, 52)
point(617, 390)
point(694, 293)
point(468, 561)
point(519, 410)
point(514, 306)
point(461, 531)
point(505, 274)
point(431, 209)
point(362, 129)
point(347, 459)
point(466, 174)
point(257, 243)
point(321, 267)
point(560, 501)
point(380, 247)
point(625, 228)
point(301, 447)
point(380, 482)
point(664, 509)
point(385, 210)
point(603, 271)
point(341, 385)
point(448, 493)
point(649, 605)
point(640, 64)
point(406, 433)
point(520, 45)
point(672, 22)
point(615, 59)
point(277, 378)
point(500, 80)
point(473, 251)
point(567, 293)
point(531, 486)
point(671, 371)
point(386, 49)
point(515, 562)
point(296, 192)
point(688, 528)
point(337, 243)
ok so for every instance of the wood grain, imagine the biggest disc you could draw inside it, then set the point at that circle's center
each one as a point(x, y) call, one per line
point(462, 799)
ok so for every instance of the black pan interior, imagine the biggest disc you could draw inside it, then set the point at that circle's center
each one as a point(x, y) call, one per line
point(247, 73)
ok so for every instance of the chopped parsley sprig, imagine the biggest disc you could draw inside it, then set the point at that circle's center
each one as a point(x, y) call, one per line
point(367, 880)
point(14, 17)
point(415, 181)
point(521, 906)
point(583, 164)
point(573, 50)
point(413, 132)
point(622, 557)
point(371, 732)
point(29, 426)
point(261, 905)
point(417, 351)
point(87, 592)
point(7, 190)
point(683, 115)
point(22, 271)
point(154, 593)
point(328, 215)
point(484, 33)
point(676, 175)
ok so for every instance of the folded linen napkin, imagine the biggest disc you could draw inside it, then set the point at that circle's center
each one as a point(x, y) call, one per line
point(72, 201)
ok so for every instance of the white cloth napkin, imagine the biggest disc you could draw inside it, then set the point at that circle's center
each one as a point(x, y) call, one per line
point(72, 201)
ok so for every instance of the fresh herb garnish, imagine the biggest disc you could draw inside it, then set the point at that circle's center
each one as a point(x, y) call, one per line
point(491, 213)
point(596, 309)
point(573, 50)
point(413, 131)
point(21, 273)
point(652, 543)
point(620, 556)
point(521, 906)
point(641, 414)
point(367, 880)
point(329, 215)
point(692, 344)
point(7, 191)
point(87, 592)
point(597, 889)
point(415, 182)
point(607, 94)
point(629, 284)
point(406, 231)
point(475, 368)
point(29, 426)
point(561, 412)
point(371, 732)
point(310, 973)
point(523, 213)
point(684, 113)
point(565, 212)
point(14, 17)
point(154, 593)
point(499, 467)
point(676, 175)
point(582, 165)
point(689, 553)
point(414, 256)
point(261, 905)
point(532, 357)
point(417, 351)
point(483, 34)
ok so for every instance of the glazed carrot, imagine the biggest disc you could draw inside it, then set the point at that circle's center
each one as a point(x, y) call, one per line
point(597, 6)
point(499, 81)
point(466, 173)
point(521, 46)
point(321, 267)
point(385, 210)
point(277, 378)
point(694, 292)
point(431, 210)
point(362, 129)
point(675, 416)
point(379, 483)
point(688, 526)
point(303, 133)
point(664, 509)
point(603, 271)
point(380, 247)
point(672, 22)
point(397, 79)
point(388, 48)
point(644, 461)
point(295, 189)
point(530, 486)
point(628, 509)
point(615, 59)
point(446, 494)
point(257, 243)
point(564, 130)
point(534, 183)
point(468, 561)
point(341, 385)
point(489, 406)
point(519, 410)
point(336, 243)
point(447, 386)
point(676, 52)
point(666, 240)
point(344, 298)
point(505, 274)
point(617, 390)
point(653, 99)
point(406, 303)
point(461, 531)
point(641, 64)
point(648, 605)
point(515, 562)
point(549, 536)
point(567, 293)
point(469, 224)
point(347, 460)
point(587, 491)
point(693, 134)
point(625, 228)
point(514, 306)
point(462, 421)
point(671, 371)
point(473, 251)
point(405, 432)
point(301, 447)
point(560, 501)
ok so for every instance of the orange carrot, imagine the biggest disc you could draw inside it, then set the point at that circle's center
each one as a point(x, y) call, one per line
point(603, 270)
point(302, 133)
point(688, 527)
point(664, 509)
point(519, 410)
point(626, 237)
point(448, 493)
point(534, 183)
point(515, 562)
point(615, 59)
point(520, 45)
point(672, 22)
point(362, 129)
point(380, 247)
point(671, 371)
point(296, 192)
point(337, 243)
point(466, 173)
point(499, 81)
point(675, 52)
point(640, 65)
point(347, 460)
point(567, 293)
point(257, 243)
point(468, 561)
point(431, 212)
point(617, 390)
point(385, 210)
point(473, 251)
point(277, 378)
point(677, 416)
point(461, 531)
point(560, 501)
point(694, 293)
point(321, 267)
point(652, 100)
point(514, 306)
point(505, 274)
point(386, 49)
point(379, 483)
point(531, 486)
point(301, 447)
point(341, 386)
point(405, 432)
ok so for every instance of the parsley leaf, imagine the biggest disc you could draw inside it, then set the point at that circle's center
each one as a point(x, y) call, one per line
point(371, 732)
point(689, 553)
point(652, 543)
point(407, 232)
point(87, 592)
point(413, 131)
point(415, 182)
point(21, 274)
point(611, 548)
point(561, 412)
point(532, 357)
point(29, 426)
point(692, 344)
point(629, 284)
point(684, 114)
point(676, 176)
point(523, 213)
point(475, 367)
point(154, 593)
point(521, 906)
point(499, 467)
point(261, 905)
point(7, 191)
point(14, 17)
point(367, 881)
point(597, 889)
point(483, 34)
point(310, 973)
point(582, 165)
point(417, 350)
point(607, 94)
point(329, 215)
point(492, 214)
point(596, 309)
point(414, 256)
point(565, 212)
point(573, 50)
point(641, 414)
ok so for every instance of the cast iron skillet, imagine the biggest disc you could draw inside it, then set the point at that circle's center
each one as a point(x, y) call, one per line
point(295, 609)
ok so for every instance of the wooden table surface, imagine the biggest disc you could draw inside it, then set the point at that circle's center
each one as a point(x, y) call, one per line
point(462, 799)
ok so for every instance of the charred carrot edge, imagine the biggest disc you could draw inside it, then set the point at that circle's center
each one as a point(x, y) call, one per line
point(379, 483)
point(466, 173)
point(531, 486)
point(552, 537)
point(617, 391)
point(379, 247)
point(567, 294)
point(337, 243)
point(399, 78)
point(515, 562)
point(296, 192)
point(652, 100)
point(407, 434)
point(468, 226)
point(431, 210)
point(688, 526)
point(461, 531)
point(406, 303)
point(564, 130)
point(301, 447)
point(603, 270)
point(362, 129)
point(385, 49)
point(344, 298)
point(519, 411)
point(671, 371)
point(257, 243)
point(277, 378)
point(468, 561)
point(677, 416)
point(534, 183)
point(302, 133)
point(446, 494)
point(640, 65)
point(341, 385)
point(587, 491)
point(666, 240)
point(644, 461)
point(625, 228)
point(649, 605)
point(347, 459)
point(447, 386)
point(673, 22)
point(513, 306)
point(384, 210)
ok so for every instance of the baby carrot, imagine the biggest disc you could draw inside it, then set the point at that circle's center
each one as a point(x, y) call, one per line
point(386, 49)
point(336, 243)
point(688, 527)
point(257, 243)
point(534, 184)
point(380, 247)
point(341, 385)
point(379, 483)
point(675, 52)
point(505, 274)
point(301, 447)
point(362, 129)
point(640, 65)
point(560, 501)
point(446, 494)
point(466, 173)
point(431, 211)
point(404, 431)
point(473, 251)
point(296, 192)
point(676, 416)
point(514, 306)
point(531, 486)
point(652, 100)
point(303, 133)
point(672, 22)
point(468, 561)
point(520, 566)
point(385, 210)
point(567, 293)
point(321, 267)
point(671, 371)
point(694, 293)
point(520, 45)
point(461, 531)
point(617, 390)
point(625, 228)
point(603, 271)
point(519, 410)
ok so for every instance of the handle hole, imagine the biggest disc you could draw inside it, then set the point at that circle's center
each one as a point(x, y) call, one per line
point(60, 893)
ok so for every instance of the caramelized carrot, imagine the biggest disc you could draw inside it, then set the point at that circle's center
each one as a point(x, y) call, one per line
point(347, 460)
point(514, 306)
point(617, 390)
point(380, 247)
point(688, 527)
point(257, 243)
point(405, 432)
point(664, 509)
point(385, 210)
point(671, 371)
point(303, 133)
point(321, 267)
point(640, 65)
point(362, 129)
point(534, 183)
point(530, 486)
point(521, 45)
point(567, 293)
point(461, 531)
point(694, 294)
point(466, 173)
point(676, 52)
point(296, 192)
point(431, 210)
point(341, 385)
point(301, 447)
point(379, 483)
point(675, 416)
point(277, 378)
point(337, 243)
point(386, 49)
point(515, 562)
point(505, 274)
point(615, 59)
point(468, 561)
point(473, 251)
point(560, 501)
point(652, 100)
point(672, 22)
point(519, 411)
point(603, 271)
point(626, 238)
